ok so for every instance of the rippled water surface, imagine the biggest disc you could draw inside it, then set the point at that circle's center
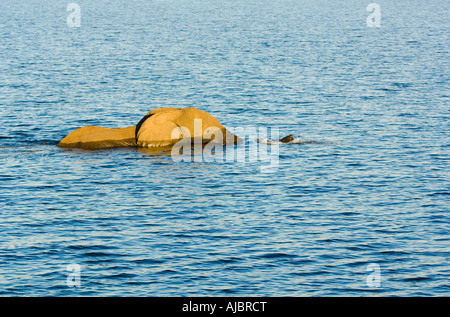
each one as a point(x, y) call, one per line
point(371, 188)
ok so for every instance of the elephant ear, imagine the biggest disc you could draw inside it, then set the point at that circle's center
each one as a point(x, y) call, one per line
point(160, 129)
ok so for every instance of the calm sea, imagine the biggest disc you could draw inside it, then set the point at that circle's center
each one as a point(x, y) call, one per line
point(361, 210)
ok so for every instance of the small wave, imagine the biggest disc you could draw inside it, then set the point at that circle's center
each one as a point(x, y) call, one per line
point(276, 255)
point(148, 261)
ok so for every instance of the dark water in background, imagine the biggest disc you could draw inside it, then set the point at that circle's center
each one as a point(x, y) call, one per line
point(374, 189)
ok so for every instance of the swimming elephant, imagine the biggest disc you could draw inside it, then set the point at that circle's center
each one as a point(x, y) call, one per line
point(160, 127)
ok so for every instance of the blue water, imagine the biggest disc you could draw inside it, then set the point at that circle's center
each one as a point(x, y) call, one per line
point(373, 187)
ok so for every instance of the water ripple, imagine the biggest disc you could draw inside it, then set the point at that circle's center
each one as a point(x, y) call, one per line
point(366, 185)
